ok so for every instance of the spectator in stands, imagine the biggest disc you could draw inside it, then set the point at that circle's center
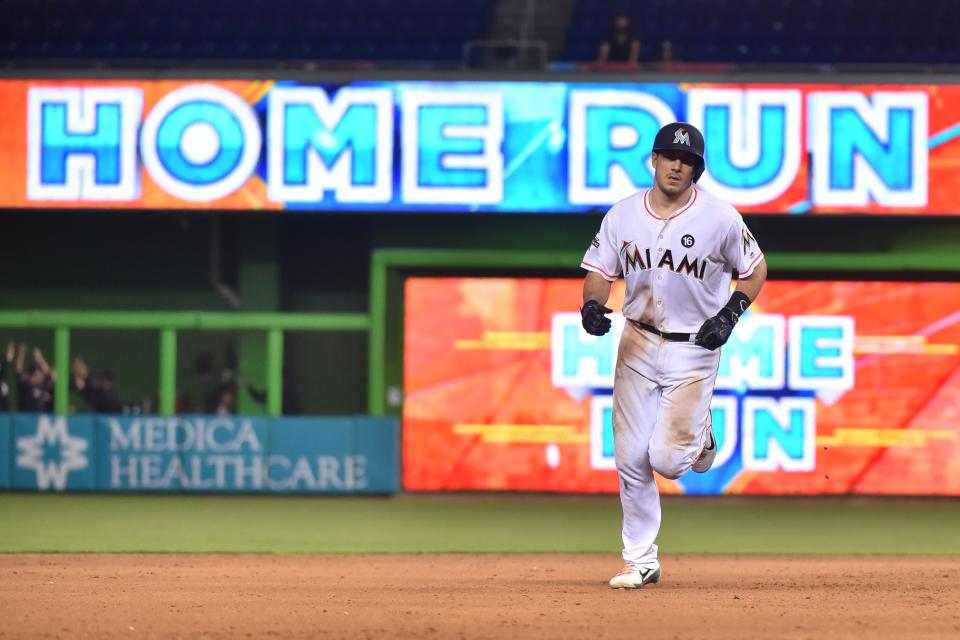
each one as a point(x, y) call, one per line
point(226, 403)
point(622, 45)
point(666, 51)
point(6, 367)
point(289, 400)
point(35, 385)
point(209, 391)
point(97, 390)
point(220, 395)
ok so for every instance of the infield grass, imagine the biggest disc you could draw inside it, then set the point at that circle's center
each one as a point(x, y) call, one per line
point(468, 523)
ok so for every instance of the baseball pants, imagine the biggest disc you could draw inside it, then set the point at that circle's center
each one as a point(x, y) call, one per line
point(661, 417)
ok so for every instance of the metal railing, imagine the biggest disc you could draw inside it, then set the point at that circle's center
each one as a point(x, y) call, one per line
point(167, 324)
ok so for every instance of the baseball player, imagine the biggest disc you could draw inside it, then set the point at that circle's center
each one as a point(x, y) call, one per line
point(676, 246)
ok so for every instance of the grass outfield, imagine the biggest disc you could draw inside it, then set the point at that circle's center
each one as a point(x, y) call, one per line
point(468, 523)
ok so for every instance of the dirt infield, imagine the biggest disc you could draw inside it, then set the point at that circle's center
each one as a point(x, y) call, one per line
point(474, 596)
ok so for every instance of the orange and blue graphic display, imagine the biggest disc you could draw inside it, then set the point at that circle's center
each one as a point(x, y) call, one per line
point(825, 388)
point(471, 146)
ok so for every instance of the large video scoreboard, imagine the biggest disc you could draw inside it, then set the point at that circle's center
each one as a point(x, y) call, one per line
point(824, 388)
point(470, 146)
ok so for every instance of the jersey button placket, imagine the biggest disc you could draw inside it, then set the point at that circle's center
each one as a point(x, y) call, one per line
point(660, 250)
point(658, 284)
point(654, 282)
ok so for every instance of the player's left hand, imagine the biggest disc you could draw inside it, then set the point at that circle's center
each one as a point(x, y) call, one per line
point(715, 331)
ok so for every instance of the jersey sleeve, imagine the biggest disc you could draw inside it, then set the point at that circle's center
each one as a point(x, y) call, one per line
point(601, 256)
point(740, 248)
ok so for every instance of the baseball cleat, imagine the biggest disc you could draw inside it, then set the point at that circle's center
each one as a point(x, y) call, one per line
point(707, 456)
point(633, 576)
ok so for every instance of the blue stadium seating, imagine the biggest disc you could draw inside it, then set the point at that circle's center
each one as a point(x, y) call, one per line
point(242, 29)
point(701, 31)
point(776, 31)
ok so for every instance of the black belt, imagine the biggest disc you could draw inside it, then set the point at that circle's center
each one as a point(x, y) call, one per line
point(670, 337)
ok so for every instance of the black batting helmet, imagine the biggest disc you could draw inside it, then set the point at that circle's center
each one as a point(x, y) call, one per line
point(682, 136)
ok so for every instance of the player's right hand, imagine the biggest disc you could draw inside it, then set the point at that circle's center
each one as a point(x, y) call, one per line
point(593, 319)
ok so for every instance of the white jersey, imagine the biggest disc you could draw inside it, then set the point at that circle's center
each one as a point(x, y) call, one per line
point(677, 270)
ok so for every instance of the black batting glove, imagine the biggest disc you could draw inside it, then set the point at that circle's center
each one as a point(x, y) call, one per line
point(593, 319)
point(715, 332)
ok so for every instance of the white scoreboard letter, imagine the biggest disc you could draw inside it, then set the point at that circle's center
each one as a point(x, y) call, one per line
point(821, 353)
point(754, 357)
point(316, 145)
point(580, 360)
point(753, 141)
point(82, 143)
point(779, 434)
point(611, 135)
point(452, 147)
point(867, 149)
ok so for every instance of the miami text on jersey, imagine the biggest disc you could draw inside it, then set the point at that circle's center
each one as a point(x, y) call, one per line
point(635, 259)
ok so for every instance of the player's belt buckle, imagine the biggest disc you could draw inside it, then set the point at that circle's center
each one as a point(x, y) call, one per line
point(670, 337)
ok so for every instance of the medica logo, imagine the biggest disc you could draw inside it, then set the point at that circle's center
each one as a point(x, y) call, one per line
point(51, 453)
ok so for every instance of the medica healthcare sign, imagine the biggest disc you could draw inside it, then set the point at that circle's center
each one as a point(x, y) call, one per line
point(470, 146)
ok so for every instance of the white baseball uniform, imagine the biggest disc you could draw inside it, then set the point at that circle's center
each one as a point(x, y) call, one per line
point(678, 272)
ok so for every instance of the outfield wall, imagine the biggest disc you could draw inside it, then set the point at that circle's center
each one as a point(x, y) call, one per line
point(156, 252)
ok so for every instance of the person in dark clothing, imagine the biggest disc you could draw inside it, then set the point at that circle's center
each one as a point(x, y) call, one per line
point(208, 397)
point(35, 385)
point(7, 371)
point(622, 45)
point(100, 394)
point(290, 401)
point(227, 402)
point(6, 368)
point(97, 390)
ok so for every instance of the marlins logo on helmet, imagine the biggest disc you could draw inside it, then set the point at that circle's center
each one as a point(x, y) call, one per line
point(680, 136)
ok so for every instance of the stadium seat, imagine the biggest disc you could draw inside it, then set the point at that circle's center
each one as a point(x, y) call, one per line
point(246, 29)
point(775, 31)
